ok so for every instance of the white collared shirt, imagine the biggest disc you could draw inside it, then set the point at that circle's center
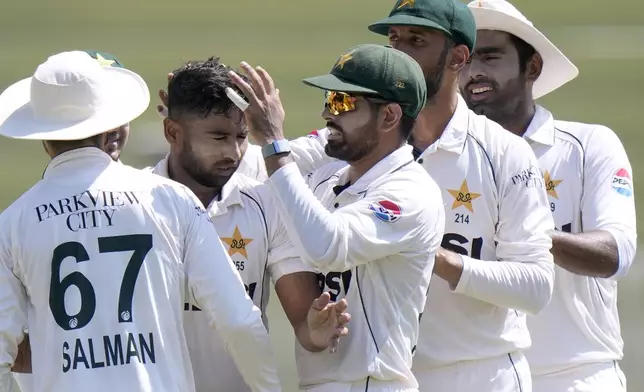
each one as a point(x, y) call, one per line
point(97, 252)
point(375, 240)
point(590, 187)
point(497, 217)
point(249, 225)
point(252, 164)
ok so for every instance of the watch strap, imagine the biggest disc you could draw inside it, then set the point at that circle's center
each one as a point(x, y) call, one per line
point(276, 147)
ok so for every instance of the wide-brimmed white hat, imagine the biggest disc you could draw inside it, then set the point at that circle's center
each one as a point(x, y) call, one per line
point(503, 16)
point(71, 97)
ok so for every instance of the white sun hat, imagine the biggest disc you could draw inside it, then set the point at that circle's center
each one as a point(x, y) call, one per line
point(71, 97)
point(501, 15)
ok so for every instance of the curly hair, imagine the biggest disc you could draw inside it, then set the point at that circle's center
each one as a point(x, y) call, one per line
point(198, 88)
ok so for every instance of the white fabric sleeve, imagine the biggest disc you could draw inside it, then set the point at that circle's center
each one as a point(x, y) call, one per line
point(25, 381)
point(356, 233)
point(283, 257)
point(308, 151)
point(608, 201)
point(522, 277)
point(219, 291)
point(13, 309)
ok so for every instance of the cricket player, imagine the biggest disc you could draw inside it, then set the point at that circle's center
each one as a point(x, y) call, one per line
point(208, 138)
point(371, 221)
point(576, 340)
point(104, 313)
point(494, 265)
point(115, 142)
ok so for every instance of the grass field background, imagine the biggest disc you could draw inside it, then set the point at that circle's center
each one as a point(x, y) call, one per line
point(296, 39)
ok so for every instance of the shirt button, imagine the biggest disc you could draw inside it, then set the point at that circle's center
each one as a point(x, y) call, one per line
point(336, 205)
point(421, 160)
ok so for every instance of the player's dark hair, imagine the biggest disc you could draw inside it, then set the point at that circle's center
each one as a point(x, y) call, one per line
point(60, 146)
point(524, 50)
point(199, 88)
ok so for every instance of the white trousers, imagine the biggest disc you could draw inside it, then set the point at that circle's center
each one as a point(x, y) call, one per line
point(506, 373)
point(592, 377)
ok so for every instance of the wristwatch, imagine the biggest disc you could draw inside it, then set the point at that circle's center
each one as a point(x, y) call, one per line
point(277, 147)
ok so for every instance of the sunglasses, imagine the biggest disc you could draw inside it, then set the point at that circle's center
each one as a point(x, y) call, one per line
point(338, 102)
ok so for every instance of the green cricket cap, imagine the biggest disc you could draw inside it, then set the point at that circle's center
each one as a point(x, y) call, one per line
point(105, 59)
point(377, 70)
point(452, 17)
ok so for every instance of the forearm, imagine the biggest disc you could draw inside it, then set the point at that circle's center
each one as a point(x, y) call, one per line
point(593, 254)
point(515, 285)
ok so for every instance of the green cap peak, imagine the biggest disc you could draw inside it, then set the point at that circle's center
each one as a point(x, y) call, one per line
point(379, 70)
point(452, 17)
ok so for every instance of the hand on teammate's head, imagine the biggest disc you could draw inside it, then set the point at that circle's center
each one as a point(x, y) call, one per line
point(162, 109)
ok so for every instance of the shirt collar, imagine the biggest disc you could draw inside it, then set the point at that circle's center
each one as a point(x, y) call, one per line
point(79, 159)
point(390, 163)
point(542, 127)
point(453, 137)
point(230, 194)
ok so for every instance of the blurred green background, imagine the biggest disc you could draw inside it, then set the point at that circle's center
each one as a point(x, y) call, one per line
point(296, 39)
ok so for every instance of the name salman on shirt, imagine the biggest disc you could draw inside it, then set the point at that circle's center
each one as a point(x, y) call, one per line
point(111, 350)
point(88, 209)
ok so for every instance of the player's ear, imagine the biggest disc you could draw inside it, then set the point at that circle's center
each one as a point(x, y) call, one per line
point(535, 65)
point(391, 116)
point(458, 57)
point(171, 130)
point(47, 149)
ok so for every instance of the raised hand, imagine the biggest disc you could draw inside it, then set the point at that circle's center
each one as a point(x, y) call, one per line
point(265, 113)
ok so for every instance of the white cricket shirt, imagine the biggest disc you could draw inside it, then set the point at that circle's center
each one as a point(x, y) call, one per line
point(252, 164)
point(98, 253)
point(590, 187)
point(249, 225)
point(496, 217)
point(375, 241)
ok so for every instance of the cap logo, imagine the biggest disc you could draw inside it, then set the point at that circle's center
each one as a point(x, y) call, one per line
point(406, 2)
point(103, 61)
point(343, 59)
point(400, 84)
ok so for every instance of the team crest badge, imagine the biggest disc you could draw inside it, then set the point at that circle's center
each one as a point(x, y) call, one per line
point(622, 182)
point(386, 211)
